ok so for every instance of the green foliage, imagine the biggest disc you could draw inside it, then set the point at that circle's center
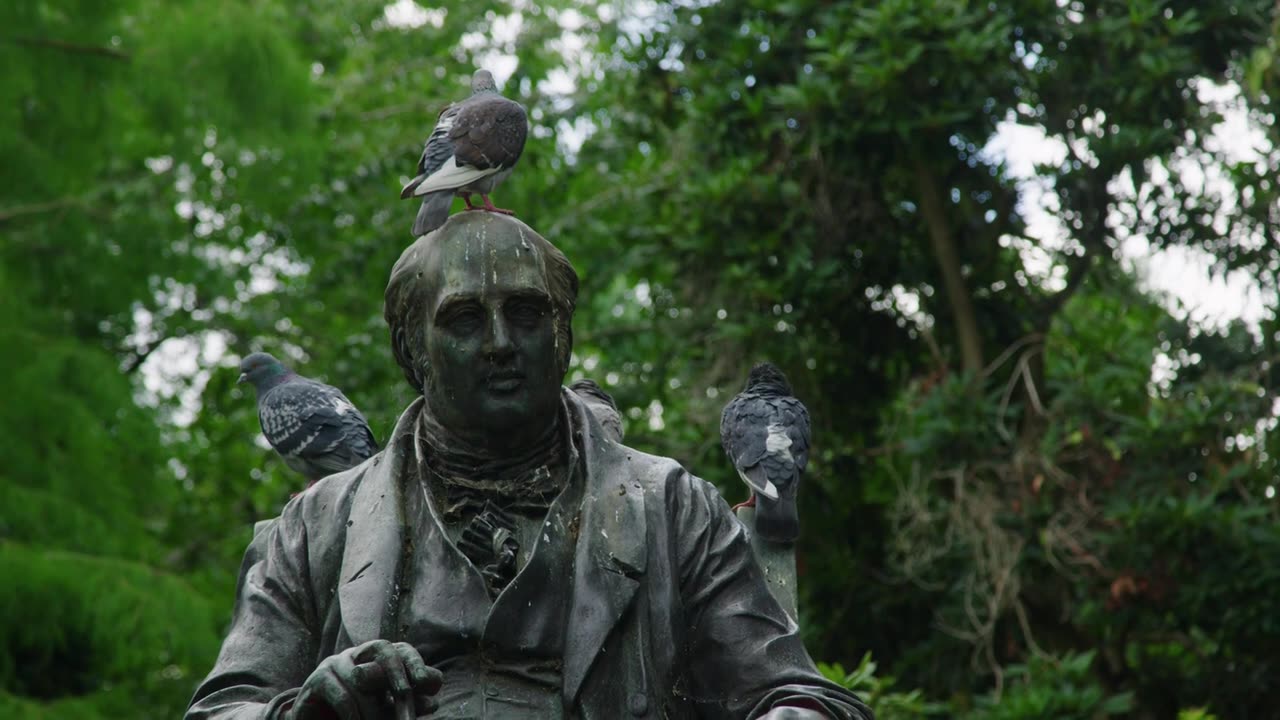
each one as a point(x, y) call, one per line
point(86, 632)
point(878, 692)
point(1051, 687)
point(798, 180)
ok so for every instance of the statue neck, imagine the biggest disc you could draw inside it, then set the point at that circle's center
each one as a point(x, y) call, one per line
point(454, 454)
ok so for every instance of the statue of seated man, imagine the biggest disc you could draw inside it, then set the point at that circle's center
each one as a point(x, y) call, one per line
point(502, 557)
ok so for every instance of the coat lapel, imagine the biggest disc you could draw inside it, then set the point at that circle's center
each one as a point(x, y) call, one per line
point(375, 535)
point(611, 551)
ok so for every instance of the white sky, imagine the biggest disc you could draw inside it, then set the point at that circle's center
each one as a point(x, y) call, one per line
point(1181, 274)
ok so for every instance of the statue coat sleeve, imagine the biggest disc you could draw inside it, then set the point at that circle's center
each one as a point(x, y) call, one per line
point(744, 654)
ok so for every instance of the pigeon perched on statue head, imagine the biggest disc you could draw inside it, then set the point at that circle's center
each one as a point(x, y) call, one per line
point(475, 144)
point(601, 405)
point(765, 433)
point(312, 426)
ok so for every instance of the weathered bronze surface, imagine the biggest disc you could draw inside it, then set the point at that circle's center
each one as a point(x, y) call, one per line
point(504, 556)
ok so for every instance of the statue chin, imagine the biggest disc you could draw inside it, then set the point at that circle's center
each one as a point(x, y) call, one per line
point(500, 417)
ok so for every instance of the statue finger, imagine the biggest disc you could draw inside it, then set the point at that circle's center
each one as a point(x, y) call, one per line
point(369, 678)
point(331, 690)
point(370, 651)
point(395, 675)
point(422, 676)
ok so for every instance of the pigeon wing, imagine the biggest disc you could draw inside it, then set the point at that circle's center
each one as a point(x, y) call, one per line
point(436, 151)
point(786, 441)
point(744, 433)
point(489, 133)
point(795, 417)
point(315, 428)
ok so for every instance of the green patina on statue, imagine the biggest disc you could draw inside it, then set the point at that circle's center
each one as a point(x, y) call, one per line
point(504, 556)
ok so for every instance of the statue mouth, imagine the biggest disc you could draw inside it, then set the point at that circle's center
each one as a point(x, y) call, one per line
point(505, 381)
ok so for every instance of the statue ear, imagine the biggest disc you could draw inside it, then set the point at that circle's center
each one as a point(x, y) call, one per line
point(566, 352)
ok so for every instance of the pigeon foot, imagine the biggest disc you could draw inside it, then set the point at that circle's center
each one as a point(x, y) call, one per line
point(751, 502)
point(488, 205)
point(466, 198)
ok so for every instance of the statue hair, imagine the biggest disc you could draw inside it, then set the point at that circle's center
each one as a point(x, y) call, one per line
point(404, 303)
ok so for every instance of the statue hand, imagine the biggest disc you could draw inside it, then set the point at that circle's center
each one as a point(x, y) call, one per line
point(375, 680)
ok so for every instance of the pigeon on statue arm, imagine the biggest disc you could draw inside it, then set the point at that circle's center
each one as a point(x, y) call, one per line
point(765, 432)
point(312, 426)
point(474, 146)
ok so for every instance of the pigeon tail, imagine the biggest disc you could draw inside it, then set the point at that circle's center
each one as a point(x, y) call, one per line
point(777, 521)
point(433, 213)
point(758, 480)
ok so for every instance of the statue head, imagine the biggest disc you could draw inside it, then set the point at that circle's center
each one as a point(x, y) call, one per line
point(480, 313)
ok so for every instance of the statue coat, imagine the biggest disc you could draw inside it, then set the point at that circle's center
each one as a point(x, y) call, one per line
point(669, 615)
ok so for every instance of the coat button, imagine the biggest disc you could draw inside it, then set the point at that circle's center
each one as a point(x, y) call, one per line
point(638, 704)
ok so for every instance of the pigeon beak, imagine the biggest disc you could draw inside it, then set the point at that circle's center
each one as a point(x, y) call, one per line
point(243, 377)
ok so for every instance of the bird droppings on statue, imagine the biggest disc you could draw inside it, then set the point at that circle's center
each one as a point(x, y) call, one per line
point(474, 146)
point(312, 426)
point(765, 432)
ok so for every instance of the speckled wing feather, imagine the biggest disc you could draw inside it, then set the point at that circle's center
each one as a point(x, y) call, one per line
point(744, 434)
point(766, 436)
point(315, 428)
point(489, 132)
point(436, 151)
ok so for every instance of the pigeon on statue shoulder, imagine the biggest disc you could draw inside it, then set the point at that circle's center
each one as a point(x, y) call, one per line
point(312, 426)
point(765, 432)
point(475, 144)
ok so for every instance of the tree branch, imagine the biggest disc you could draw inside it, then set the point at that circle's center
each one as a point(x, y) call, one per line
point(74, 48)
point(1077, 270)
point(135, 361)
point(10, 213)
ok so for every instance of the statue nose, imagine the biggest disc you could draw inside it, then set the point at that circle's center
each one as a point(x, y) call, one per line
point(499, 337)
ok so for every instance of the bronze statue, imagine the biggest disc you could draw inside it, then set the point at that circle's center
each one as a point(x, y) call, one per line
point(503, 557)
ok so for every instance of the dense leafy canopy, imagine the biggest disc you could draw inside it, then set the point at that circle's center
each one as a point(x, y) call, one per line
point(1038, 489)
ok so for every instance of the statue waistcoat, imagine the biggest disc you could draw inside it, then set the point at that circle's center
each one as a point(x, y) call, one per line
point(501, 657)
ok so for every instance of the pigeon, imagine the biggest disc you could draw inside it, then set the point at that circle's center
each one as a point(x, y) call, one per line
point(765, 433)
point(474, 146)
point(313, 426)
point(601, 405)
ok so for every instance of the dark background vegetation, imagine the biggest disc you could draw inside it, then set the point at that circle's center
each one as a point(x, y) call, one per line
point(1005, 508)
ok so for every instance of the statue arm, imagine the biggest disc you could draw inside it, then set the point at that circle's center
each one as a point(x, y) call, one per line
point(273, 641)
point(746, 658)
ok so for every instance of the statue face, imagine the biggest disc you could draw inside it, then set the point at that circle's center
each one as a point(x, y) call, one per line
point(490, 338)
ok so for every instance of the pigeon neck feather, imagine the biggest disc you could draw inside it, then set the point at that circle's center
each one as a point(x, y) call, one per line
point(277, 377)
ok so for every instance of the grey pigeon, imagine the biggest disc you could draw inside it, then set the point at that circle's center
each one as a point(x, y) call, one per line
point(474, 146)
point(765, 433)
point(601, 405)
point(313, 426)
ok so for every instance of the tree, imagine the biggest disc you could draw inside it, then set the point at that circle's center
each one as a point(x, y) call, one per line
point(1001, 497)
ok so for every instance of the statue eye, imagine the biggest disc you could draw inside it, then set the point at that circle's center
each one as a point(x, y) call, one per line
point(464, 320)
point(525, 311)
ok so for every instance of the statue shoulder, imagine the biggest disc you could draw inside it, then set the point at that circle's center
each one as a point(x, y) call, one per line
point(657, 475)
point(324, 506)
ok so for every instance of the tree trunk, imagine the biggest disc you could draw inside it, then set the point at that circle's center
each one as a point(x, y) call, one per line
point(944, 249)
